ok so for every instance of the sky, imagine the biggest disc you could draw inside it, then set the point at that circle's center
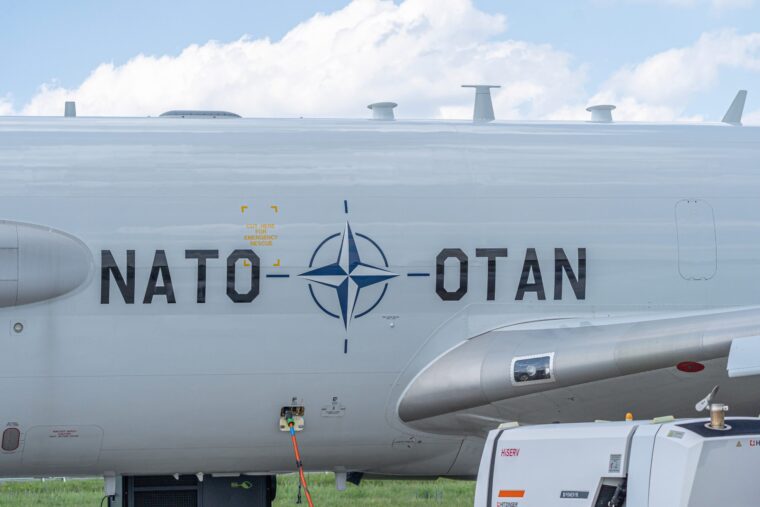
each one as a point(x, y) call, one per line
point(656, 60)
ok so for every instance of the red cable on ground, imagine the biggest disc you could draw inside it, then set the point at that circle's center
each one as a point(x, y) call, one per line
point(299, 464)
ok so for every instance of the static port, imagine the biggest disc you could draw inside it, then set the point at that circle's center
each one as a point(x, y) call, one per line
point(294, 411)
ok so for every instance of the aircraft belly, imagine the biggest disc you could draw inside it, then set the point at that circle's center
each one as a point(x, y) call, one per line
point(209, 423)
point(432, 459)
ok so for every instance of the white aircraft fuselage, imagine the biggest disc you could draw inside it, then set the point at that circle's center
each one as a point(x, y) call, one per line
point(168, 285)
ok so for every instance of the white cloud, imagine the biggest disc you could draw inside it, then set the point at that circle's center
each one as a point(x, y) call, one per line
point(716, 5)
point(731, 4)
point(6, 106)
point(415, 53)
point(659, 88)
point(752, 118)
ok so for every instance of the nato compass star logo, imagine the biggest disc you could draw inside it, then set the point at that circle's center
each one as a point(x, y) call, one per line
point(349, 275)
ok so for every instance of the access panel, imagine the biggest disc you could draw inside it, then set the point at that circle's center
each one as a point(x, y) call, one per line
point(697, 245)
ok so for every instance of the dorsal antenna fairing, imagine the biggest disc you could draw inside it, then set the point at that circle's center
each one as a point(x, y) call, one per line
point(483, 110)
point(735, 111)
point(70, 109)
point(382, 110)
point(601, 113)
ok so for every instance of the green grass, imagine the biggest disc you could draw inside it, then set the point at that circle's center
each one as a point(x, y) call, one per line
point(442, 492)
point(72, 493)
point(88, 493)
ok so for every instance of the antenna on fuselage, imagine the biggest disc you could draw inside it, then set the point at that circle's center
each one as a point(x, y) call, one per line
point(70, 109)
point(735, 111)
point(382, 110)
point(483, 110)
point(601, 113)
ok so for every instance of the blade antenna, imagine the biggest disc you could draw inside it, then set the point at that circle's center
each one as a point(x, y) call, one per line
point(483, 110)
point(734, 114)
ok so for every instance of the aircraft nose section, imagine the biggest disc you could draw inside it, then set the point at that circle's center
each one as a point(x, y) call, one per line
point(39, 263)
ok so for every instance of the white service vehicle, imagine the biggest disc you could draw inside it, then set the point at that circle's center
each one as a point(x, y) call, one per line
point(675, 463)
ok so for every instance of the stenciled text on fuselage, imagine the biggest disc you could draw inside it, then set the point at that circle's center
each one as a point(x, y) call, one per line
point(160, 282)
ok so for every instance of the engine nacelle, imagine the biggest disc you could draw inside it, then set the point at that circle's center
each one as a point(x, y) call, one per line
point(509, 363)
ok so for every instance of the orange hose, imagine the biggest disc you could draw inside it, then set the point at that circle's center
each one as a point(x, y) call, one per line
point(299, 464)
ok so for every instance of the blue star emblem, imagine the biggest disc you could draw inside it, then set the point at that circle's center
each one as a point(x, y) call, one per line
point(348, 275)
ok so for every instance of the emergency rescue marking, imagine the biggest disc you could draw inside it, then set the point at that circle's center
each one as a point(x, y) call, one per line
point(260, 234)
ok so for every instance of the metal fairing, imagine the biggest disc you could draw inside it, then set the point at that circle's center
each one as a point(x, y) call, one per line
point(389, 269)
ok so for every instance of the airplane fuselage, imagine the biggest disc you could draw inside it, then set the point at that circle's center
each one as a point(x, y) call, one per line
point(230, 268)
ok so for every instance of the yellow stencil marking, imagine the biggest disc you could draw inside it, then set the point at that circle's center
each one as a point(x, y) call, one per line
point(260, 234)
